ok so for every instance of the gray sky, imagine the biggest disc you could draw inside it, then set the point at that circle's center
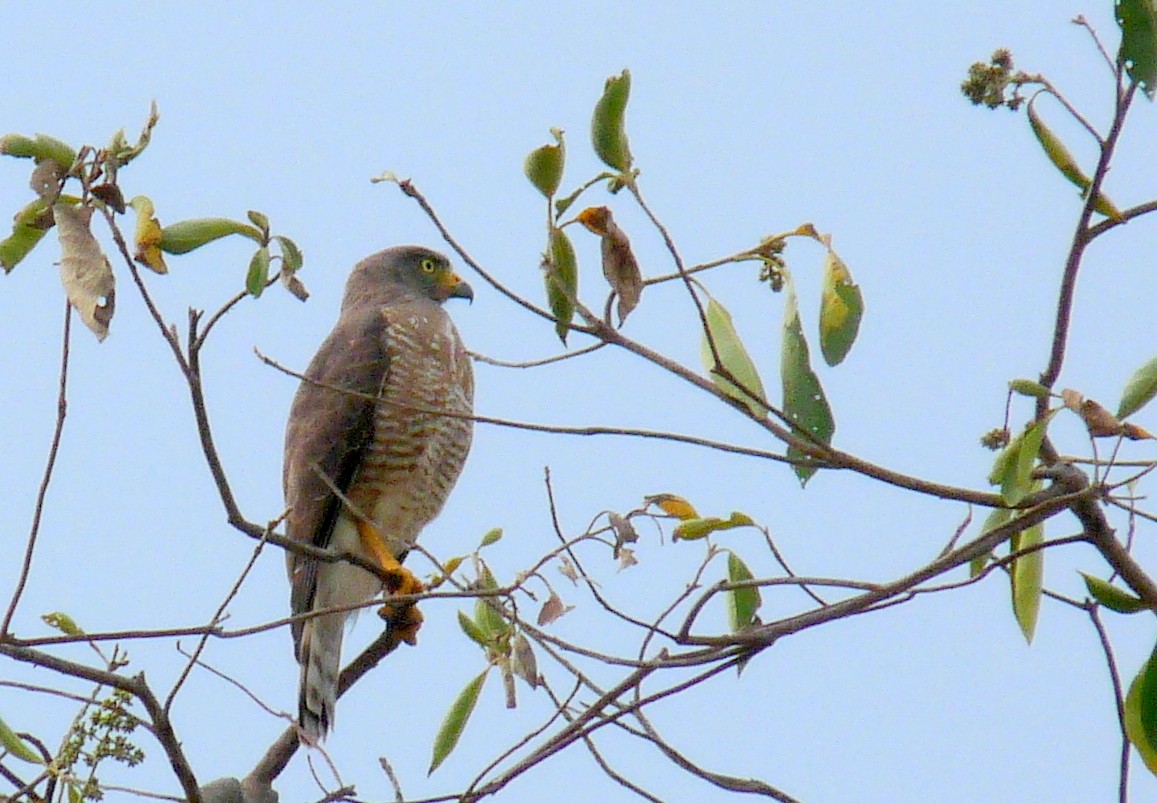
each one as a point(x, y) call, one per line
point(745, 122)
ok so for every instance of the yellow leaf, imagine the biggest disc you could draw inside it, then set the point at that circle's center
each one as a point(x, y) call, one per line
point(673, 505)
point(147, 237)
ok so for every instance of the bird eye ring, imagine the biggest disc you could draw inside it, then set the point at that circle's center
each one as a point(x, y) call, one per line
point(427, 265)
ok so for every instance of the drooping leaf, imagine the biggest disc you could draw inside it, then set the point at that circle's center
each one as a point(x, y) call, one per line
point(291, 262)
point(1059, 155)
point(455, 721)
point(258, 275)
point(1140, 389)
point(147, 236)
point(486, 609)
point(997, 518)
point(544, 165)
point(673, 505)
point(608, 123)
point(1138, 22)
point(1027, 573)
point(1141, 712)
point(85, 271)
point(40, 148)
point(17, 746)
point(28, 228)
point(804, 402)
point(187, 235)
point(620, 267)
point(1112, 597)
point(841, 307)
point(561, 277)
point(742, 603)
point(523, 663)
point(473, 632)
point(1014, 465)
point(733, 358)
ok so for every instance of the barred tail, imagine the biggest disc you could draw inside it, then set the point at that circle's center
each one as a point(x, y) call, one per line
point(320, 658)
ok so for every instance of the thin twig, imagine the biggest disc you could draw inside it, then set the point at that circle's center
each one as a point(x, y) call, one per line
point(38, 510)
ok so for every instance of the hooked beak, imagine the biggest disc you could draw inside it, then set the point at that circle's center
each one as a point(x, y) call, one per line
point(454, 286)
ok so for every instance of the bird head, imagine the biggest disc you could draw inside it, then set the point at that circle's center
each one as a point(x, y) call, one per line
point(408, 271)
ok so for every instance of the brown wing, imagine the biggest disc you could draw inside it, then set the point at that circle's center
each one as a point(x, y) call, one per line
point(327, 435)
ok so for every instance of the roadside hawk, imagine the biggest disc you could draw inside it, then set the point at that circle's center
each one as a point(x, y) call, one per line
point(368, 459)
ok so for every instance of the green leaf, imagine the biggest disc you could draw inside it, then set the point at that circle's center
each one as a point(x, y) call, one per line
point(841, 307)
point(472, 630)
point(692, 529)
point(544, 165)
point(804, 402)
point(486, 609)
point(1140, 390)
point(1113, 598)
point(997, 518)
point(17, 746)
point(188, 235)
point(1027, 579)
point(258, 275)
point(1027, 387)
point(561, 281)
point(1059, 155)
point(39, 148)
point(260, 220)
point(734, 359)
point(291, 257)
point(1141, 713)
point(608, 124)
point(492, 536)
point(28, 228)
point(1014, 465)
point(1138, 21)
point(742, 603)
point(455, 721)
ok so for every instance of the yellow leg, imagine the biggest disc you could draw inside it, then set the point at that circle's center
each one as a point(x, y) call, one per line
point(405, 619)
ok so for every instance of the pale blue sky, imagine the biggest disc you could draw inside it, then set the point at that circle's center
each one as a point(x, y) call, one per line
point(745, 121)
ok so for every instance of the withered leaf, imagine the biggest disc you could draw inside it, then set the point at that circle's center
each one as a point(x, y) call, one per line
point(523, 662)
point(552, 609)
point(620, 268)
point(624, 531)
point(111, 196)
point(1099, 421)
point(85, 271)
point(567, 569)
point(45, 180)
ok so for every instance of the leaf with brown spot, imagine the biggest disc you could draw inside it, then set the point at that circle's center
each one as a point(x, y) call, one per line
point(620, 267)
point(85, 271)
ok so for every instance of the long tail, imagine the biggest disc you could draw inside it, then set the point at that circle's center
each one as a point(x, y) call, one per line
point(320, 659)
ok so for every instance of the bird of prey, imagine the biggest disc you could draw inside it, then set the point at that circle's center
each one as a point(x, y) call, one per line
point(377, 436)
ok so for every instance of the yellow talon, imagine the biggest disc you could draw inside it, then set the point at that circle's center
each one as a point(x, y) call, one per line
point(405, 619)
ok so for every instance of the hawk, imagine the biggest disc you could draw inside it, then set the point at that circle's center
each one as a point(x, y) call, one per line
point(369, 461)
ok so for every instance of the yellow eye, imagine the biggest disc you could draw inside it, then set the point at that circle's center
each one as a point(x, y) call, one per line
point(428, 265)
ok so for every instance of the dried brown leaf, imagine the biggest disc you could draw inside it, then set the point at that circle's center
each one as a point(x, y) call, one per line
point(552, 609)
point(85, 271)
point(620, 268)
